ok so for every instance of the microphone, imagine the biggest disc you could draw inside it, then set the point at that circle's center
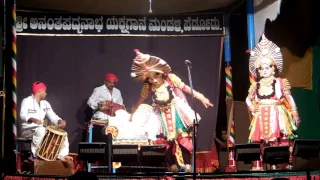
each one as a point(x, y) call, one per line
point(188, 63)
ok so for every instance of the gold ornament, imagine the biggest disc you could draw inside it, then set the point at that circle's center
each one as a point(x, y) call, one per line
point(266, 52)
point(266, 87)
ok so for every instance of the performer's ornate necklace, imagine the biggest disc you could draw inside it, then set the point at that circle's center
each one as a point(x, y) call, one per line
point(159, 88)
point(266, 87)
point(162, 95)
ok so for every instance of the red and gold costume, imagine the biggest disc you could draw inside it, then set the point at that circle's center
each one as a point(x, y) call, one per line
point(169, 106)
point(274, 112)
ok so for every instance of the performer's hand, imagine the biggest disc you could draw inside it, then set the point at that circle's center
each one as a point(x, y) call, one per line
point(206, 103)
point(297, 120)
point(133, 109)
point(62, 123)
point(252, 108)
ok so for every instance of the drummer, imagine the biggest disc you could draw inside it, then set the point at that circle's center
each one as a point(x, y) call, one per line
point(101, 94)
point(32, 113)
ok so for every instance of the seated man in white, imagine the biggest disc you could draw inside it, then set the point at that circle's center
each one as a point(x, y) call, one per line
point(104, 93)
point(33, 111)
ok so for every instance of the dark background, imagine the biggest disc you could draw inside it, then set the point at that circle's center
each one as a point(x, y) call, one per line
point(72, 66)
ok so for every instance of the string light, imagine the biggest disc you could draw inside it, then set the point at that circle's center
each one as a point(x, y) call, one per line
point(150, 6)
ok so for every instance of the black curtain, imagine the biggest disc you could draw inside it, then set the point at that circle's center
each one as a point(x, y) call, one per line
point(72, 66)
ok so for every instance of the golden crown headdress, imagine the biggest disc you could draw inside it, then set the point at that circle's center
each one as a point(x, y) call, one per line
point(266, 52)
point(144, 64)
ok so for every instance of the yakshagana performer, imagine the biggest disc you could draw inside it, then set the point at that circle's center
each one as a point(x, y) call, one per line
point(170, 106)
point(275, 114)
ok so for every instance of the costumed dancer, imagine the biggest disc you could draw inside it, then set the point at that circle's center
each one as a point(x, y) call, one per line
point(275, 115)
point(34, 109)
point(106, 99)
point(170, 105)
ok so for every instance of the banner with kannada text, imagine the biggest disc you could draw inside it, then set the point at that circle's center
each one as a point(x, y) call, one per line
point(79, 24)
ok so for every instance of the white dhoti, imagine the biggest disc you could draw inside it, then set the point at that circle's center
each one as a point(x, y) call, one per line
point(37, 133)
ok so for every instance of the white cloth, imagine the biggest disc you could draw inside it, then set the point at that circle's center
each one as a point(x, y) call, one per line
point(145, 123)
point(100, 94)
point(31, 109)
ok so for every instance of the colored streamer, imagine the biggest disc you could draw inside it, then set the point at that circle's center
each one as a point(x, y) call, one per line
point(14, 72)
point(228, 71)
point(229, 95)
point(231, 142)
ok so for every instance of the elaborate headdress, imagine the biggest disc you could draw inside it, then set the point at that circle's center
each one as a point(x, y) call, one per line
point(266, 52)
point(144, 64)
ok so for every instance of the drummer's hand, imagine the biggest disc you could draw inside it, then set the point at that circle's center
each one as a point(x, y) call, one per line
point(34, 120)
point(37, 121)
point(62, 123)
point(102, 106)
point(103, 103)
point(66, 158)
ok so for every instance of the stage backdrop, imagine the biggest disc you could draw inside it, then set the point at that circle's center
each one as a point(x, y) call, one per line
point(72, 66)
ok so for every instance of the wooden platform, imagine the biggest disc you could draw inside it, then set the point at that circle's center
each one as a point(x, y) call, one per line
point(267, 175)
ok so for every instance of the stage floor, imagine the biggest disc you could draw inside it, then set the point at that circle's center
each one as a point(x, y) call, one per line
point(267, 175)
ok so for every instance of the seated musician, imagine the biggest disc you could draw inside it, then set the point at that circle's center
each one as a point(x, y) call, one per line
point(33, 110)
point(106, 99)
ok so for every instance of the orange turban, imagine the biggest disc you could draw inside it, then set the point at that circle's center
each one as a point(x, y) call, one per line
point(111, 76)
point(38, 86)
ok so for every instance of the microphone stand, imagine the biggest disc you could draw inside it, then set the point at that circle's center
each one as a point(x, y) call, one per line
point(110, 139)
point(195, 124)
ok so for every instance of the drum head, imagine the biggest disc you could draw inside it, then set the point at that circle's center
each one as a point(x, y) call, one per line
point(56, 130)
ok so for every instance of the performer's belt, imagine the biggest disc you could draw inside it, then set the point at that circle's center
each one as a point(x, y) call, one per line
point(269, 103)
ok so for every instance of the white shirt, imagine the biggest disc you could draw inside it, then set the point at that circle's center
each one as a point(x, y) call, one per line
point(31, 109)
point(102, 93)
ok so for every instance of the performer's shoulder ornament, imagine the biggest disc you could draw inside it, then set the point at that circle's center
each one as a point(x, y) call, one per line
point(176, 81)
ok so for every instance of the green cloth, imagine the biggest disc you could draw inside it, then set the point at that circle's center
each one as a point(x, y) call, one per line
point(179, 124)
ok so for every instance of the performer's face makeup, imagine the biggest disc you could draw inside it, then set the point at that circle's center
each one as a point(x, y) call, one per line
point(155, 78)
point(265, 70)
point(110, 84)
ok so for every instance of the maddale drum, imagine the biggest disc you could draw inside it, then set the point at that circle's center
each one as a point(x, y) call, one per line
point(51, 143)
